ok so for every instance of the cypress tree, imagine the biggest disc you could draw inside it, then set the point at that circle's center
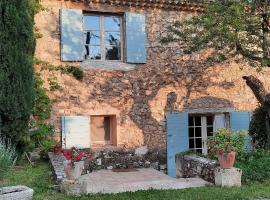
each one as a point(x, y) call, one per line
point(17, 46)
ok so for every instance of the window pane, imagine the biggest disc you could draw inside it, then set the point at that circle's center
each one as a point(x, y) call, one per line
point(209, 131)
point(198, 132)
point(113, 53)
point(112, 39)
point(91, 22)
point(191, 132)
point(191, 143)
point(92, 52)
point(190, 121)
point(197, 121)
point(209, 120)
point(198, 143)
point(112, 23)
point(92, 37)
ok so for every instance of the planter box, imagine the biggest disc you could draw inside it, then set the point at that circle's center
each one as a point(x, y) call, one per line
point(16, 193)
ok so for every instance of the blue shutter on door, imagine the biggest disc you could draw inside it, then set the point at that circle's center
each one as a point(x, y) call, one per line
point(177, 138)
point(241, 121)
point(135, 38)
point(72, 45)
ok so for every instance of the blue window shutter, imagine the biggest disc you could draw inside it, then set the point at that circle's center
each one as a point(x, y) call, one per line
point(75, 131)
point(135, 38)
point(241, 121)
point(177, 138)
point(72, 45)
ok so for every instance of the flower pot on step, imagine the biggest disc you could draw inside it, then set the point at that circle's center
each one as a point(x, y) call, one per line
point(226, 160)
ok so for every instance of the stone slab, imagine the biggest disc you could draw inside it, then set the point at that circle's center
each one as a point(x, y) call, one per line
point(106, 181)
point(228, 177)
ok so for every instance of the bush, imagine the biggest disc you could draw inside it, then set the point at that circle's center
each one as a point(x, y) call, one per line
point(257, 127)
point(255, 165)
point(8, 156)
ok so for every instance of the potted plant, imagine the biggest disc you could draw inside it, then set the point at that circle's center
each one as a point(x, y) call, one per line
point(74, 164)
point(224, 144)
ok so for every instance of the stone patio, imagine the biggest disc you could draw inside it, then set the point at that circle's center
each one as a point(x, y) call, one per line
point(107, 181)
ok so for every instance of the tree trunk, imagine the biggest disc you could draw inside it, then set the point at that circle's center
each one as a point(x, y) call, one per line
point(264, 99)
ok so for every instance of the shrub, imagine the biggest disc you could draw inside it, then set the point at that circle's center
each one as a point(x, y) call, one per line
point(257, 127)
point(75, 71)
point(8, 156)
point(255, 165)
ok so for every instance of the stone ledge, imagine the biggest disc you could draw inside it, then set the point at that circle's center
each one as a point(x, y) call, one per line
point(57, 162)
point(189, 166)
point(228, 177)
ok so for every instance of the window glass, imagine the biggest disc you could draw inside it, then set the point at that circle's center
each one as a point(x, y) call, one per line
point(92, 38)
point(112, 23)
point(91, 22)
point(113, 53)
point(93, 52)
point(112, 38)
point(102, 37)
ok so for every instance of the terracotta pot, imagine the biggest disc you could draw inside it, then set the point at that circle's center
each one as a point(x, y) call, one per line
point(226, 160)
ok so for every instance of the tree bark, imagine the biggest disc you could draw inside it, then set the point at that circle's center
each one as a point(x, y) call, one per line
point(260, 93)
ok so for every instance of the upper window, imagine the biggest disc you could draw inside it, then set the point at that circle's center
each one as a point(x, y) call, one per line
point(103, 37)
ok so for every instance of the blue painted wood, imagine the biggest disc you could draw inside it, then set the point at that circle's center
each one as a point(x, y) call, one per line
point(75, 131)
point(135, 38)
point(241, 121)
point(177, 138)
point(72, 45)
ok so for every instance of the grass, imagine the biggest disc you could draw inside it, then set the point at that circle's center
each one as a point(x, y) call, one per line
point(39, 179)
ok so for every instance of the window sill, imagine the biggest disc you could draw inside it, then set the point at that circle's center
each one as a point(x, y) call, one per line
point(107, 65)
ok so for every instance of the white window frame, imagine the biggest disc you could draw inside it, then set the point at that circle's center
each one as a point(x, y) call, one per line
point(102, 36)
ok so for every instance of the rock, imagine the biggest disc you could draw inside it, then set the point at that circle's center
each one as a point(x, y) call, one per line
point(34, 156)
point(99, 161)
point(110, 167)
point(141, 151)
point(163, 167)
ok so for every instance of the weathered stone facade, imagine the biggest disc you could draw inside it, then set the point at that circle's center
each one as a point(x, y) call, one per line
point(138, 97)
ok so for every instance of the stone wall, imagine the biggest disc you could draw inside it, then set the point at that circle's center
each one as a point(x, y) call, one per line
point(140, 97)
point(189, 166)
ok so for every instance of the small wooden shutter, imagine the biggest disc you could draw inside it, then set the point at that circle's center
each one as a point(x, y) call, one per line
point(177, 138)
point(72, 45)
point(241, 121)
point(76, 131)
point(135, 38)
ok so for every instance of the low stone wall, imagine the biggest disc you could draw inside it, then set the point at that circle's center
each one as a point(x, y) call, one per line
point(127, 158)
point(188, 166)
point(57, 162)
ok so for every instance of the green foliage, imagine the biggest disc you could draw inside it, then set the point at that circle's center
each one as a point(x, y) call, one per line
point(255, 165)
point(236, 30)
point(67, 69)
point(257, 127)
point(226, 141)
point(40, 134)
point(17, 45)
point(53, 83)
point(75, 71)
point(8, 156)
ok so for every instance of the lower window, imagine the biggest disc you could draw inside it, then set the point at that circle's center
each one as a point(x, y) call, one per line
point(103, 130)
point(201, 127)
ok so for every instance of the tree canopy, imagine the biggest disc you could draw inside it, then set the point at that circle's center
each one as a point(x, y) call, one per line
point(235, 29)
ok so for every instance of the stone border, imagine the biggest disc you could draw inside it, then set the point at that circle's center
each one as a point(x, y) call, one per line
point(57, 162)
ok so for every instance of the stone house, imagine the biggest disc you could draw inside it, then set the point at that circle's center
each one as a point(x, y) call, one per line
point(135, 90)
